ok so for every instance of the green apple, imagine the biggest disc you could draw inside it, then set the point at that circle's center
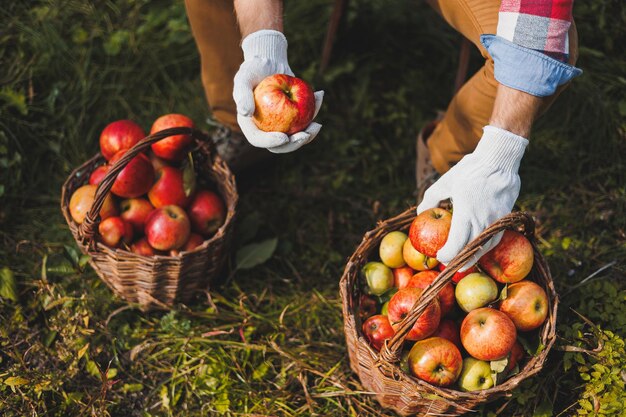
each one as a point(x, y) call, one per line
point(390, 250)
point(475, 375)
point(379, 277)
point(474, 291)
point(384, 310)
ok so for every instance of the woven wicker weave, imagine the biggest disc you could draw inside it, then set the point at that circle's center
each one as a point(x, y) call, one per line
point(156, 281)
point(380, 373)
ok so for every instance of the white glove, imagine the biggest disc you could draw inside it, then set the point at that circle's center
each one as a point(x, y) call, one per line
point(483, 187)
point(265, 54)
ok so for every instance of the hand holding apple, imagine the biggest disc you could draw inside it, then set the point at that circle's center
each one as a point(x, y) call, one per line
point(283, 103)
point(265, 54)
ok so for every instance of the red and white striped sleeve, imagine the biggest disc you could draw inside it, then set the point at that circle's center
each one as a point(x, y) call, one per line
point(541, 25)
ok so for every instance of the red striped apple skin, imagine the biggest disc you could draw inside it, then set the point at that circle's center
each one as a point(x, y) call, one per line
point(172, 148)
point(118, 136)
point(488, 334)
point(511, 260)
point(399, 307)
point(135, 179)
point(377, 329)
point(429, 231)
point(435, 360)
point(446, 297)
point(167, 228)
point(283, 104)
point(526, 304)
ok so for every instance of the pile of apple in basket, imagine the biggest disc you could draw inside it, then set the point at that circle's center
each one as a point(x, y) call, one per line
point(468, 335)
point(156, 206)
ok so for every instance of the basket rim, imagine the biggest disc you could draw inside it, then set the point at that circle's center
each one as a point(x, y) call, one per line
point(446, 392)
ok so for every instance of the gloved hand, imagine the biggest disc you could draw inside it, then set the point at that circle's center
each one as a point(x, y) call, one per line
point(483, 187)
point(265, 54)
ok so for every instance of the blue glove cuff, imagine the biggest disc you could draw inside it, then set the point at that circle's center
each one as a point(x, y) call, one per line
point(525, 69)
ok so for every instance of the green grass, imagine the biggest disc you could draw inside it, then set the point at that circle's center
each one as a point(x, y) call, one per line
point(270, 342)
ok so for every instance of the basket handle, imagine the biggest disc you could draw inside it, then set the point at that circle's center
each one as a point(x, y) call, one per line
point(521, 221)
point(87, 229)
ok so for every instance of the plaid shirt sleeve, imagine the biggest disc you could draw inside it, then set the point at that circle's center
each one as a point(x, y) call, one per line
point(541, 25)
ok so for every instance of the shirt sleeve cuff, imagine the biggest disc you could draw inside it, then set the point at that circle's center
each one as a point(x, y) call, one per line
point(525, 69)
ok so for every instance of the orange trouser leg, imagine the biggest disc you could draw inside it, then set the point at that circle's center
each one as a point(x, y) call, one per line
point(460, 130)
point(217, 36)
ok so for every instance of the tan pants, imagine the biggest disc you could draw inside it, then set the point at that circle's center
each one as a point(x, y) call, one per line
point(217, 36)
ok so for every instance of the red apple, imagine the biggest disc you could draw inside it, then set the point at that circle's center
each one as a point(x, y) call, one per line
point(449, 330)
point(168, 188)
point(446, 295)
point(516, 355)
point(119, 136)
point(429, 231)
point(367, 306)
point(488, 334)
point(193, 242)
point(82, 200)
point(172, 148)
point(377, 329)
point(401, 276)
point(98, 174)
point(435, 360)
point(459, 275)
point(142, 247)
point(415, 259)
point(401, 304)
point(135, 179)
point(206, 212)
point(135, 211)
point(114, 230)
point(526, 304)
point(283, 104)
point(167, 228)
point(511, 260)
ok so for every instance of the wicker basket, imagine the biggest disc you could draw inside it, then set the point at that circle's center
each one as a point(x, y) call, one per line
point(156, 281)
point(380, 372)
